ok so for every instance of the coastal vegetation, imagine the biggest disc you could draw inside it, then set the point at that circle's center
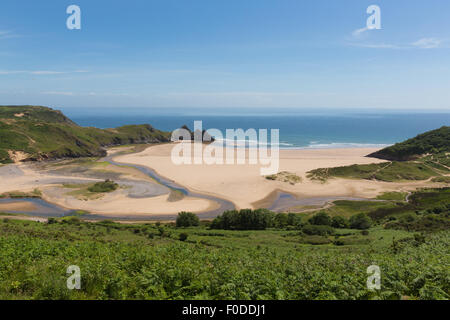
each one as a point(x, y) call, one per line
point(421, 158)
point(393, 195)
point(103, 187)
point(187, 219)
point(36, 193)
point(445, 179)
point(388, 172)
point(285, 176)
point(37, 133)
point(431, 142)
point(91, 191)
point(322, 257)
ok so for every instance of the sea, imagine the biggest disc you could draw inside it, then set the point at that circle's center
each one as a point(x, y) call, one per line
point(300, 129)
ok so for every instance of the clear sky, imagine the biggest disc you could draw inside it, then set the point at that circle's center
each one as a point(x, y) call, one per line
point(226, 54)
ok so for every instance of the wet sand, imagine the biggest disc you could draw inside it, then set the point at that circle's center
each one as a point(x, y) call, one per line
point(244, 185)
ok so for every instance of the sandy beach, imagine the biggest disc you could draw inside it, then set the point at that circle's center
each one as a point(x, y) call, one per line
point(246, 188)
point(240, 184)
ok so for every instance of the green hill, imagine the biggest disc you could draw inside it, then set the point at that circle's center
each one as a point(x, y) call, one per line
point(419, 158)
point(431, 142)
point(43, 133)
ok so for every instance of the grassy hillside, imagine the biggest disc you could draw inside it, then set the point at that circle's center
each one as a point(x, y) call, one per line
point(427, 155)
point(44, 133)
point(431, 142)
point(389, 172)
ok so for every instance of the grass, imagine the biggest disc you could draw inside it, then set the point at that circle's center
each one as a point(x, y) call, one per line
point(103, 187)
point(285, 176)
point(395, 196)
point(36, 193)
point(91, 191)
point(347, 208)
point(43, 133)
point(148, 261)
point(388, 172)
point(431, 142)
point(160, 261)
point(443, 179)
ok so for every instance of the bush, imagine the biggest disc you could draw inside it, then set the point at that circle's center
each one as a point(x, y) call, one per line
point(315, 240)
point(294, 220)
point(245, 219)
point(183, 236)
point(281, 220)
point(360, 221)
point(319, 230)
point(321, 219)
point(187, 219)
point(106, 186)
point(339, 222)
point(51, 221)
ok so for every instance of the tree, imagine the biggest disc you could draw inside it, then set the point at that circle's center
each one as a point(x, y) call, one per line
point(245, 219)
point(321, 219)
point(187, 219)
point(294, 220)
point(339, 222)
point(281, 220)
point(360, 221)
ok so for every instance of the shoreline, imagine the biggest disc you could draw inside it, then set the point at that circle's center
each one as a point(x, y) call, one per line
point(239, 184)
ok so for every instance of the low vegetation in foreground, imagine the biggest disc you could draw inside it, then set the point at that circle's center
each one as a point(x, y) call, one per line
point(321, 255)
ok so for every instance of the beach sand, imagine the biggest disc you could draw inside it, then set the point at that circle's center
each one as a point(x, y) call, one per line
point(241, 184)
point(246, 188)
point(25, 178)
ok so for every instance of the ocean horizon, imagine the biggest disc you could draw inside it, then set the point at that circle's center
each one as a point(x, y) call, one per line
point(336, 129)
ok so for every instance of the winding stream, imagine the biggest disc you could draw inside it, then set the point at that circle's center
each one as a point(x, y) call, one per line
point(282, 201)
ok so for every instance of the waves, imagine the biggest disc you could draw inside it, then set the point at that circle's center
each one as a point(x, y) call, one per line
point(294, 145)
point(339, 145)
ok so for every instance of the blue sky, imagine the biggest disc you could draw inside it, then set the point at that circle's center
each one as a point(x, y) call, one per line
point(226, 54)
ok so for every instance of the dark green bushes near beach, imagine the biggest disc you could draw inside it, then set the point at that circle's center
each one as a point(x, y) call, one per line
point(187, 219)
point(103, 187)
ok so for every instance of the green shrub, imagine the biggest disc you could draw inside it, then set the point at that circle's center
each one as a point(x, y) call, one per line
point(360, 221)
point(315, 240)
point(183, 236)
point(320, 218)
point(187, 219)
point(51, 221)
point(320, 230)
point(245, 219)
point(339, 222)
point(105, 186)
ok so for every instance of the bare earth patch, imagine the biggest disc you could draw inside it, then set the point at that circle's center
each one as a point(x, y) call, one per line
point(17, 156)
